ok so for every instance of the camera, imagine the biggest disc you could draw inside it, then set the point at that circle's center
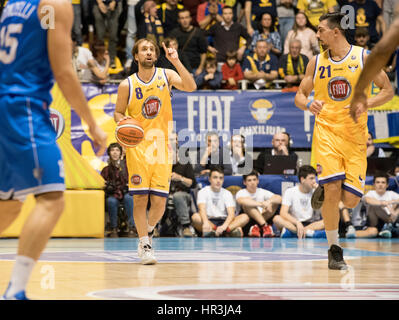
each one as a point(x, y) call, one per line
point(109, 188)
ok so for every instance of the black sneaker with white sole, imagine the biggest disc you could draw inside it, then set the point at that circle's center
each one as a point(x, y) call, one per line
point(336, 258)
point(318, 198)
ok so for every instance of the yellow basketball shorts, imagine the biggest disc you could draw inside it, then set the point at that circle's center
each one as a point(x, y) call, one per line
point(150, 167)
point(339, 159)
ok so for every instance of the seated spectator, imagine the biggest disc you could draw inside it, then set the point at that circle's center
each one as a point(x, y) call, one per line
point(163, 62)
point(226, 36)
point(292, 66)
point(106, 15)
point(372, 151)
point(167, 13)
point(231, 71)
point(267, 31)
point(346, 219)
point(149, 26)
point(305, 32)
point(192, 7)
point(98, 68)
point(80, 58)
point(315, 9)
point(259, 204)
point(254, 9)
point(362, 38)
point(116, 190)
point(368, 15)
point(241, 161)
point(396, 169)
point(382, 210)
point(210, 78)
point(182, 181)
point(286, 16)
point(213, 154)
point(216, 206)
point(261, 68)
point(209, 13)
point(297, 218)
point(192, 41)
point(280, 147)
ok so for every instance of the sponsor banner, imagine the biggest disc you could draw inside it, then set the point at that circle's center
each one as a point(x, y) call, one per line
point(258, 115)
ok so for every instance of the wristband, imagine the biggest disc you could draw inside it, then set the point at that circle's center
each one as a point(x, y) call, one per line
point(308, 104)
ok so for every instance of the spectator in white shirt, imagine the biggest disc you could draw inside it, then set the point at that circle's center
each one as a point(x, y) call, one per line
point(382, 210)
point(241, 160)
point(80, 58)
point(259, 204)
point(216, 208)
point(98, 68)
point(296, 214)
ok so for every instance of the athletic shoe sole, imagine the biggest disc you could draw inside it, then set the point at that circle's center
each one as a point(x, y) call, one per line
point(317, 198)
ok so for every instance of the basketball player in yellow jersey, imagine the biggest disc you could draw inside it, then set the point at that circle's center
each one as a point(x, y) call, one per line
point(339, 142)
point(146, 95)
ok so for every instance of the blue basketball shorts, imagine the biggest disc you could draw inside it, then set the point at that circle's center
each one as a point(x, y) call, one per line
point(30, 160)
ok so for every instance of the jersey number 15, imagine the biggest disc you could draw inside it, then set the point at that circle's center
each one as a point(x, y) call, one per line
point(9, 44)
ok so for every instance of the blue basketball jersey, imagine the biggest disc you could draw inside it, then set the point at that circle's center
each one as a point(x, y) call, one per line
point(24, 63)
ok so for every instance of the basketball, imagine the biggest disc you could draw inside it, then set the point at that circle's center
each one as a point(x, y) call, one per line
point(129, 133)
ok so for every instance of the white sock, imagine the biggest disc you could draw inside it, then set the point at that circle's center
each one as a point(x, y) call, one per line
point(150, 229)
point(20, 274)
point(310, 233)
point(332, 237)
point(144, 240)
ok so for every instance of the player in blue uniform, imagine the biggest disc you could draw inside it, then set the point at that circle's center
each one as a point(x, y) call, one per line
point(35, 48)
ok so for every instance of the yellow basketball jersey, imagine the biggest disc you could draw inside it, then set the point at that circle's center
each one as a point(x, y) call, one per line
point(150, 103)
point(334, 83)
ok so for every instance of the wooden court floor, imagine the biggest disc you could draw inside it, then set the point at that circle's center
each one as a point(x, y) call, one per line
point(225, 268)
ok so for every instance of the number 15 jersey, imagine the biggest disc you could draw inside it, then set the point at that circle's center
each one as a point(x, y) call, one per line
point(24, 63)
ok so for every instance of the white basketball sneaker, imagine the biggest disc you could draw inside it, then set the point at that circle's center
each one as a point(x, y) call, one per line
point(146, 254)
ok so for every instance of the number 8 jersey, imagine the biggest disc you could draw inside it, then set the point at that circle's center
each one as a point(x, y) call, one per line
point(150, 103)
point(24, 64)
point(150, 162)
point(334, 83)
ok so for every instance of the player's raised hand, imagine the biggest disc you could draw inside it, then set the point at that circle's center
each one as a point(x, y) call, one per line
point(170, 53)
point(358, 105)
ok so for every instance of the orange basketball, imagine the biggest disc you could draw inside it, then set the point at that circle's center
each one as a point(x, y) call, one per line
point(129, 133)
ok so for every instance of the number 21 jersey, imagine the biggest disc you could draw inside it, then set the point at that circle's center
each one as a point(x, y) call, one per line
point(334, 83)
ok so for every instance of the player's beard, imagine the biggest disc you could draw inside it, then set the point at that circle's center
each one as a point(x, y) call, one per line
point(323, 45)
point(147, 64)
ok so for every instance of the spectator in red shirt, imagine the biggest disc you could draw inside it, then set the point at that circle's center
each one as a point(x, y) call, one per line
point(231, 71)
point(209, 13)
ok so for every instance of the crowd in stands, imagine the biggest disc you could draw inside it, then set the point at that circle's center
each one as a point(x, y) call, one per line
point(231, 44)
point(211, 210)
point(222, 42)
